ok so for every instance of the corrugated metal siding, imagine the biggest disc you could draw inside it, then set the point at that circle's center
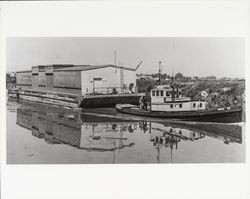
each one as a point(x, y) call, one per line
point(35, 81)
point(49, 82)
point(42, 81)
point(67, 81)
point(24, 80)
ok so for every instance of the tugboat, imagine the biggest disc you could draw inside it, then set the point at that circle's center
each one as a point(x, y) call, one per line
point(167, 102)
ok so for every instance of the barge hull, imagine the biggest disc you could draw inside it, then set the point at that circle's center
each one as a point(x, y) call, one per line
point(54, 98)
point(103, 101)
point(74, 101)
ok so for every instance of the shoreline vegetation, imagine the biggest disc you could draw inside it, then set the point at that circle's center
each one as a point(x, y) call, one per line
point(220, 92)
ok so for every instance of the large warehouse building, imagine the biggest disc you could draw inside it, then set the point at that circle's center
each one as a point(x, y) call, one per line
point(78, 79)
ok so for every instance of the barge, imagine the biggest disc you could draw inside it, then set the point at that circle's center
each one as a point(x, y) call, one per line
point(77, 86)
point(73, 100)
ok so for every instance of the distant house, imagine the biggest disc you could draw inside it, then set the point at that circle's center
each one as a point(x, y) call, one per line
point(204, 93)
point(224, 89)
point(224, 78)
point(195, 78)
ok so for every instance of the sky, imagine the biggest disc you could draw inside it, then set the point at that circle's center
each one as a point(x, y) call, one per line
point(220, 57)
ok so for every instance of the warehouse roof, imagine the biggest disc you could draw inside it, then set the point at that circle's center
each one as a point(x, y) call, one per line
point(55, 65)
point(91, 67)
point(24, 71)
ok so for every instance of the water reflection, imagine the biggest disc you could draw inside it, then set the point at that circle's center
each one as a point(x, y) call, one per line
point(94, 133)
point(169, 137)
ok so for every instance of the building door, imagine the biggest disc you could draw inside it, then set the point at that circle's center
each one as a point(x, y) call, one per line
point(49, 81)
point(35, 81)
point(97, 85)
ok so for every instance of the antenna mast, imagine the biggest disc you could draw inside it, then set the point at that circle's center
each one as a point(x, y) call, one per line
point(160, 70)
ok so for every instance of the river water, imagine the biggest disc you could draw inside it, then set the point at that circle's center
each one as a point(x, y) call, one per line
point(43, 134)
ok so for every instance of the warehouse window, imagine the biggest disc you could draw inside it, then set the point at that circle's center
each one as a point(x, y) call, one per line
point(97, 79)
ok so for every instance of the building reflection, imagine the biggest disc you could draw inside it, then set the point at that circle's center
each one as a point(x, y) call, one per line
point(57, 128)
point(94, 133)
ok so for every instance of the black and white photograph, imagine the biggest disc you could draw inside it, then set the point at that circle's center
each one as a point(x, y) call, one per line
point(125, 100)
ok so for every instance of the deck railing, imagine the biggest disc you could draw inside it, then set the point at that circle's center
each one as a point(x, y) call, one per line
point(111, 90)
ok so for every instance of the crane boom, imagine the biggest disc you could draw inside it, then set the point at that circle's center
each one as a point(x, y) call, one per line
point(138, 65)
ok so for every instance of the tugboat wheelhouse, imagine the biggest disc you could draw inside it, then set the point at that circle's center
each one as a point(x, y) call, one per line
point(166, 98)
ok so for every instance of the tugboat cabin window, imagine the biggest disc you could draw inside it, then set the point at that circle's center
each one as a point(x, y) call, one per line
point(161, 93)
point(194, 105)
point(200, 104)
point(167, 93)
point(157, 93)
point(180, 105)
point(153, 93)
point(171, 105)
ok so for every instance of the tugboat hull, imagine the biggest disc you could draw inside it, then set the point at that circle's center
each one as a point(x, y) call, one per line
point(232, 115)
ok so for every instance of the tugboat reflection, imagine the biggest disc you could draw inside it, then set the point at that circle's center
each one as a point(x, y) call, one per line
point(95, 133)
point(169, 137)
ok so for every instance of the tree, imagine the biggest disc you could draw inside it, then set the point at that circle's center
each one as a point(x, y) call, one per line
point(179, 76)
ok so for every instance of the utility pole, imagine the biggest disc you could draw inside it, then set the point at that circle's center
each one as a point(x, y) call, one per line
point(115, 57)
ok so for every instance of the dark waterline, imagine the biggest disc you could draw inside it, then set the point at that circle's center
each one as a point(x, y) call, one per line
point(40, 134)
